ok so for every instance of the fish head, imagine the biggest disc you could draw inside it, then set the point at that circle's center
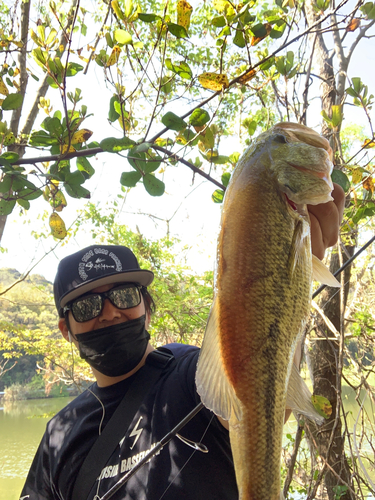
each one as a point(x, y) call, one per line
point(300, 160)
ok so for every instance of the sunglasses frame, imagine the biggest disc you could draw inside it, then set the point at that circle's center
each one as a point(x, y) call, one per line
point(104, 296)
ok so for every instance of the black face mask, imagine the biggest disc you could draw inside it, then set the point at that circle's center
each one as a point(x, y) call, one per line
point(115, 350)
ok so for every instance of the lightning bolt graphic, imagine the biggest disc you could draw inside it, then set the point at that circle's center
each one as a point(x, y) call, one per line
point(136, 432)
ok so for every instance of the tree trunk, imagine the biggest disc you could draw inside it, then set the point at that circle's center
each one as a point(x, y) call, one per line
point(325, 357)
point(324, 361)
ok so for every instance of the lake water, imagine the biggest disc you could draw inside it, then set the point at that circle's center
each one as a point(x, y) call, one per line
point(22, 425)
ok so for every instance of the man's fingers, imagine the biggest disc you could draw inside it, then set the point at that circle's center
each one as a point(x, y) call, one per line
point(325, 222)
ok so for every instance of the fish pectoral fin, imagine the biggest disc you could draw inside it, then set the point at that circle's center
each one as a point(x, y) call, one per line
point(213, 386)
point(298, 397)
point(322, 274)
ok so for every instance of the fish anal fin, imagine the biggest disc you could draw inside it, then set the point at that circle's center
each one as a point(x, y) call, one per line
point(322, 274)
point(213, 386)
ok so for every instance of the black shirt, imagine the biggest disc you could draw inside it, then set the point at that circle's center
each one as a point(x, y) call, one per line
point(176, 472)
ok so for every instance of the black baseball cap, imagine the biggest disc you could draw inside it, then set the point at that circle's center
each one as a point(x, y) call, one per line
point(95, 266)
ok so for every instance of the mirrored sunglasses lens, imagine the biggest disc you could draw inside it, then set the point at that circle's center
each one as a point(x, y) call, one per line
point(87, 308)
point(125, 298)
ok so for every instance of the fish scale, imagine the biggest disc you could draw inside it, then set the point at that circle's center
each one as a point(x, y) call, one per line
point(262, 297)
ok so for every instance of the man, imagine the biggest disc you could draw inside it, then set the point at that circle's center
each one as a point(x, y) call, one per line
point(105, 309)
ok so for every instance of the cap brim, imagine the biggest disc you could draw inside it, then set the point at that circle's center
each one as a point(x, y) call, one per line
point(143, 277)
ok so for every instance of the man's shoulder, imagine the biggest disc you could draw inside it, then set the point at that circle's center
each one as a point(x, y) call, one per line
point(180, 350)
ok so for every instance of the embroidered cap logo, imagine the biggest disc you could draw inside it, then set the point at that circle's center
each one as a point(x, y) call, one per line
point(96, 260)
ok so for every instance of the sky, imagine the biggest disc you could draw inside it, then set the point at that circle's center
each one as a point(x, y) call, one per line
point(196, 218)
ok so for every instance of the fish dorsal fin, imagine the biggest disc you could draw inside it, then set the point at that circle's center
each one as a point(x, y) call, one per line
point(298, 397)
point(213, 386)
point(322, 274)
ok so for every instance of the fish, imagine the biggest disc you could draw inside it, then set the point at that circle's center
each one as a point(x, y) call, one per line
point(262, 296)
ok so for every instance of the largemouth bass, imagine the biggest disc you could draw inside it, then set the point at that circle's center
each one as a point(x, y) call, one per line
point(262, 297)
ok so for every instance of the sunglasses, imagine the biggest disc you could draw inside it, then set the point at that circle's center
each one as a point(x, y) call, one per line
point(91, 305)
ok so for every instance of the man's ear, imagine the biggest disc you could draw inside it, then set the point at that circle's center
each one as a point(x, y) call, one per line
point(63, 327)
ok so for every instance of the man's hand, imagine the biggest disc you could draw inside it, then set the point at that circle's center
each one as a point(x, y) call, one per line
point(325, 222)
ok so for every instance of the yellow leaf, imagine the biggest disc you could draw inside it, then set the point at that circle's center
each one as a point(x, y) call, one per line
point(353, 25)
point(3, 88)
point(214, 81)
point(117, 9)
point(249, 75)
point(18, 44)
point(369, 143)
point(368, 184)
point(322, 406)
point(113, 58)
point(184, 10)
point(80, 136)
point(223, 7)
point(57, 225)
point(9, 139)
point(356, 175)
point(64, 149)
point(58, 201)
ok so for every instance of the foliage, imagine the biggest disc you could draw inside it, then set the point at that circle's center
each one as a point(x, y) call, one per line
point(232, 63)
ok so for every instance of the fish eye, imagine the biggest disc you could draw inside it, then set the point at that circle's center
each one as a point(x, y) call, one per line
point(280, 138)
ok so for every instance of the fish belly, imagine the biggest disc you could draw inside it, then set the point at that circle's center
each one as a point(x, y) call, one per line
point(263, 296)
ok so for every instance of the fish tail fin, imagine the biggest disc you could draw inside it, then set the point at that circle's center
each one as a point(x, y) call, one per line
point(322, 274)
point(299, 397)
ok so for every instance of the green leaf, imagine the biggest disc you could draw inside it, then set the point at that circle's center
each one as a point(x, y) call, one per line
point(199, 117)
point(152, 164)
point(277, 31)
point(30, 194)
point(113, 145)
point(341, 179)
point(53, 126)
point(42, 138)
point(220, 160)
point(12, 101)
point(239, 39)
point(122, 37)
point(6, 184)
point(137, 160)
point(173, 122)
point(153, 185)
point(73, 68)
point(337, 115)
point(75, 178)
point(218, 196)
point(5, 163)
point(130, 179)
point(179, 32)
point(208, 138)
point(23, 203)
point(148, 18)
point(225, 178)
point(77, 191)
point(181, 69)
point(6, 207)
point(113, 115)
point(218, 22)
point(85, 167)
point(10, 156)
point(259, 30)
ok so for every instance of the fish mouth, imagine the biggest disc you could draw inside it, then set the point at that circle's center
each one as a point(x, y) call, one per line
point(298, 209)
